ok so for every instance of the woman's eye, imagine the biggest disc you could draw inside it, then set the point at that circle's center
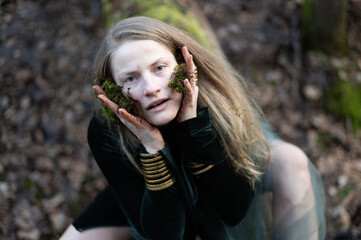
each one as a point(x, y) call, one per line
point(130, 79)
point(159, 68)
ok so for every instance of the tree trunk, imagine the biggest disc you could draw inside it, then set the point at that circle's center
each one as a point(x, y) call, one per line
point(325, 25)
point(183, 14)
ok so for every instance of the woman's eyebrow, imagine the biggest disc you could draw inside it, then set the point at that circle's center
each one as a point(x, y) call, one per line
point(129, 73)
point(124, 74)
point(161, 59)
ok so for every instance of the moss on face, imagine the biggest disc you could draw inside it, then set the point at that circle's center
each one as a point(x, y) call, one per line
point(177, 80)
point(114, 93)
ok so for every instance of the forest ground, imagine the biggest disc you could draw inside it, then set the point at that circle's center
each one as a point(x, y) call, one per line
point(47, 173)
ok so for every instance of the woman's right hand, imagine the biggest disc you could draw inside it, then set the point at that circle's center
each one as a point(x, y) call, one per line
point(148, 135)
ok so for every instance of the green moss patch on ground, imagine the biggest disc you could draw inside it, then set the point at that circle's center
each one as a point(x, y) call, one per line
point(343, 98)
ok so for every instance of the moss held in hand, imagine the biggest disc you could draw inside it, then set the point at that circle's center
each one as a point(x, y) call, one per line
point(180, 73)
point(114, 93)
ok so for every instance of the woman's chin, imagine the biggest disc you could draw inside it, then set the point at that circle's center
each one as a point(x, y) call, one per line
point(160, 120)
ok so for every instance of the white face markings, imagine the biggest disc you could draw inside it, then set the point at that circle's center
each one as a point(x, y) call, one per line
point(143, 68)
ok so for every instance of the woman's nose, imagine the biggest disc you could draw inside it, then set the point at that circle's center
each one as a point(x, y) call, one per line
point(150, 85)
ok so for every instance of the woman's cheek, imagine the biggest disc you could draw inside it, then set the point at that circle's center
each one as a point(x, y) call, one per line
point(179, 97)
point(138, 109)
point(132, 91)
point(168, 74)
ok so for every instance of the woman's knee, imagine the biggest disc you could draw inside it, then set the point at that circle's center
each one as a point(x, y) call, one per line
point(100, 233)
point(291, 174)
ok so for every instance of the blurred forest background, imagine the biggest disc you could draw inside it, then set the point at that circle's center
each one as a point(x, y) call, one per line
point(303, 58)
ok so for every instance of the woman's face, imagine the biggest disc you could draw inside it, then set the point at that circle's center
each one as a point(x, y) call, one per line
point(144, 68)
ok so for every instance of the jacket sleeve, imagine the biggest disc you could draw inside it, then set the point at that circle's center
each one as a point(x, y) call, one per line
point(228, 192)
point(155, 213)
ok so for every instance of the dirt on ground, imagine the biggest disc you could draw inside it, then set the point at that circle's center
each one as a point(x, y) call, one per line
point(47, 173)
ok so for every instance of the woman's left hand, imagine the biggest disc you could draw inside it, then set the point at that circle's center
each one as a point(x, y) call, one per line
point(148, 135)
point(188, 109)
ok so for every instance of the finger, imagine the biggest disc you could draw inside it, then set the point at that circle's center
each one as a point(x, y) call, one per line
point(188, 59)
point(191, 68)
point(133, 122)
point(190, 65)
point(192, 82)
point(98, 90)
point(189, 87)
point(114, 107)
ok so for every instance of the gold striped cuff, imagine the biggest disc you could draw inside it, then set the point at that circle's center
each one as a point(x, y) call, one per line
point(150, 160)
point(159, 180)
point(153, 164)
point(203, 170)
point(155, 171)
point(156, 167)
point(157, 175)
point(149, 154)
point(198, 168)
point(161, 186)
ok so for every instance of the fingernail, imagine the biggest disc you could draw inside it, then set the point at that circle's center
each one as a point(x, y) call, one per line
point(120, 116)
point(120, 111)
point(101, 97)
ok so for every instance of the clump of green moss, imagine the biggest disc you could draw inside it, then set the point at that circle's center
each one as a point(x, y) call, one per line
point(167, 11)
point(344, 99)
point(324, 140)
point(114, 93)
point(239, 111)
point(177, 79)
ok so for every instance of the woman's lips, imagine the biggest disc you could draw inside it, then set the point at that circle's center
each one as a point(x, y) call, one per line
point(157, 105)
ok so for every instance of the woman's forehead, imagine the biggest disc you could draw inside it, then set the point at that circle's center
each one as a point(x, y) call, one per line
point(130, 56)
point(139, 49)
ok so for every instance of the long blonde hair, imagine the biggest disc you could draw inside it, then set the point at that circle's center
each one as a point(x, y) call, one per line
point(234, 115)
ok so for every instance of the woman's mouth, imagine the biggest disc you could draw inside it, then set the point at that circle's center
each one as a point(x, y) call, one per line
point(157, 105)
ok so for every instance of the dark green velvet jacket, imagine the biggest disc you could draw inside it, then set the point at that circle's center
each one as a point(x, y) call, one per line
point(195, 205)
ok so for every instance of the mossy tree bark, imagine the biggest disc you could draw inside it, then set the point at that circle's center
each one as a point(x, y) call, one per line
point(325, 25)
point(182, 14)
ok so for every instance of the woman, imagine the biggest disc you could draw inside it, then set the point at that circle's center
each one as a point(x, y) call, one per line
point(188, 163)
